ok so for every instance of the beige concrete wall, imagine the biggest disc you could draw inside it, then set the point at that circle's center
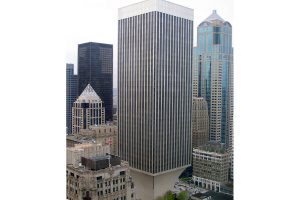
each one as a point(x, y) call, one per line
point(149, 187)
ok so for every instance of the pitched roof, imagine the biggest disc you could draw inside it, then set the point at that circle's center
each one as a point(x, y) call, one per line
point(89, 95)
point(214, 16)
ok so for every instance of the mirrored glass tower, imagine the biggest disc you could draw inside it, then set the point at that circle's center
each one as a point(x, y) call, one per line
point(213, 75)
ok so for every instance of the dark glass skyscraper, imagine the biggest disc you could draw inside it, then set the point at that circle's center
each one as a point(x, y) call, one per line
point(70, 95)
point(95, 67)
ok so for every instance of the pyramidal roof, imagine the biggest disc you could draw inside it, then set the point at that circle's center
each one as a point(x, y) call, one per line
point(214, 16)
point(88, 95)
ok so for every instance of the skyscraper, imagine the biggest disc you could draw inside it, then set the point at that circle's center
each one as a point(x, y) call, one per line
point(200, 122)
point(155, 92)
point(71, 94)
point(213, 75)
point(87, 110)
point(95, 67)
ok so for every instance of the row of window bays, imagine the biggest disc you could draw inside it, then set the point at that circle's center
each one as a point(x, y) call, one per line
point(101, 181)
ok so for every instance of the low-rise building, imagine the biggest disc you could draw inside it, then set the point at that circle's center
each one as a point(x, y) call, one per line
point(115, 119)
point(99, 178)
point(210, 166)
point(75, 153)
point(94, 174)
point(106, 134)
point(210, 195)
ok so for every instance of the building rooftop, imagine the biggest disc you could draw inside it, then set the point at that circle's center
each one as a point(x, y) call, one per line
point(214, 196)
point(95, 43)
point(100, 162)
point(88, 95)
point(156, 5)
point(214, 16)
point(213, 147)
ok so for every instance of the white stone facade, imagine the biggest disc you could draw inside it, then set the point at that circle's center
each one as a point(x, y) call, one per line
point(156, 5)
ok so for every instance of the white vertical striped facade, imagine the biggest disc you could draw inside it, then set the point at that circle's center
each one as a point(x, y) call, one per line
point(155, 87)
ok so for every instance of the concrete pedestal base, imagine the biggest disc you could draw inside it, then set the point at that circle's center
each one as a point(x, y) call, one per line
point(148, 187)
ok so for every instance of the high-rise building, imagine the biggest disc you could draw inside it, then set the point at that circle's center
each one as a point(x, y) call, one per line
point(213, 75)
point(95, 67)
point(71, 95)
point(155, 39)
point(200, 122)
point(211, 166)
point(87, 110)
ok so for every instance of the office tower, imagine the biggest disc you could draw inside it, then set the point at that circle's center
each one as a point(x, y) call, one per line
point(213, 75)
point(92, 174)
point(71, 94)
point(155, 39)
point(87, 110)
point(211, 166)
point(200, 122)
point(95, 67)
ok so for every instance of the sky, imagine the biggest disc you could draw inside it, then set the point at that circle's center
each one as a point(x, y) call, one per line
point(96, 21)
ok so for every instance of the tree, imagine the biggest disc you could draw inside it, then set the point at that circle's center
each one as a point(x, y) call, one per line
point(183, 195)
point(168, 196)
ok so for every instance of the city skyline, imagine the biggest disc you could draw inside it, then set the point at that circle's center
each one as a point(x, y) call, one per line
point(156, 52)
point(33, 48)
point(93, 9)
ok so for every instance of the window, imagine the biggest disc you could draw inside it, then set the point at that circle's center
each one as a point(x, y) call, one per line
point(122, 173)
point(216, 35)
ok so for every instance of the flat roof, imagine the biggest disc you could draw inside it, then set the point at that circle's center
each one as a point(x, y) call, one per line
point(155, 5)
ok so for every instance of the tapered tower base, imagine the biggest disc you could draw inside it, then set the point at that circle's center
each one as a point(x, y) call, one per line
point(149, 187)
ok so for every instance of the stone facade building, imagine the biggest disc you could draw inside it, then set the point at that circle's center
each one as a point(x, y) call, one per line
point(210, 166)
point(87, 110)
point(109, 183)
point(106, 134)
point(200, 122)
point(93, 174)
